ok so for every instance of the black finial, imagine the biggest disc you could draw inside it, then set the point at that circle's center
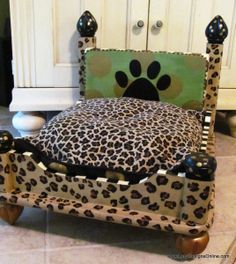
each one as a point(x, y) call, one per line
point(87, 25)
point(6, 141)
point(200, 166)
point(217, 31)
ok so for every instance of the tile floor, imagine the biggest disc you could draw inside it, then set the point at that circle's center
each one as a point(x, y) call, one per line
point(49, 238)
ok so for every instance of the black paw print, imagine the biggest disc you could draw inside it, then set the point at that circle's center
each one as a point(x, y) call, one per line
point(142, 88)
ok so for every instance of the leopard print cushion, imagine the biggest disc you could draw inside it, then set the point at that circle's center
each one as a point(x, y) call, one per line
point(121, 133)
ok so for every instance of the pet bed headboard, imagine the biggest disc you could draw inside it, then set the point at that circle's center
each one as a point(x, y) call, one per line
point(215, 32)
point(175, 78)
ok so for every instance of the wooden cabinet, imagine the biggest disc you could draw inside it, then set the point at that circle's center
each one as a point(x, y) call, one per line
point(184, 24)
point(45, 42)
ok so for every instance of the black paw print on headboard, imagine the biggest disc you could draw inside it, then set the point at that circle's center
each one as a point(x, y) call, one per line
point(142, 88)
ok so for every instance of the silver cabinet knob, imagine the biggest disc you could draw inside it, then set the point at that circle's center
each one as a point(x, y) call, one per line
point(158, 24)
point(140, 24)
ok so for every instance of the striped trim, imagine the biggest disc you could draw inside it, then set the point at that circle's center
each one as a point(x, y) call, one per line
point(41, 165)
point(162, 172)
point(11, 151)
point(82, 177)
point(181, 174)
point(123, 182)
point(60, 174)
point(143, 180)
point(166, 172)
point(29, 154)
point(98, 179)
point(205, 131)
point(102, 179)
point(207, 119)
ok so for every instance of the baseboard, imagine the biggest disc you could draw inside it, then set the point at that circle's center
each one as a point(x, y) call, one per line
point(43, 99)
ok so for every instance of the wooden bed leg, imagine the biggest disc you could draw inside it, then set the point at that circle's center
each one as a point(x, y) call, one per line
point(10, 213)
point(187, 245)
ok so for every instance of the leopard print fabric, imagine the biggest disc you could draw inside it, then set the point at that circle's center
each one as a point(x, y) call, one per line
point(163, 201)
point(215, 52)
point(83, 44)
point(122, 133)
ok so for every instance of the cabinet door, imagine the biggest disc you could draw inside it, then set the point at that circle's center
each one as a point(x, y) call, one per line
point(45, 36)
point(136, 37)
point(183, 29)
point(117, 23)
point(175, 18)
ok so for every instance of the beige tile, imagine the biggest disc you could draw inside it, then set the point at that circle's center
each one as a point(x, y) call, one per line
point(232, 254)
point(225, 145)
point(29, 257)
point(225, 202)
point(155, 251)
point(218, 245)
point(110, 254)
point(66, 231)
point(27, 234)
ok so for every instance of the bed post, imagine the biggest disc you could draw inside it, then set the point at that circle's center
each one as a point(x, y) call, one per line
point(216, 32)
point(87, 27)
point(9, 213)
point(200, 167)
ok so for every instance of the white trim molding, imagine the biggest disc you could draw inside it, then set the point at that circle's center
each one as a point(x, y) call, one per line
point(23, 42)
point(43, 99)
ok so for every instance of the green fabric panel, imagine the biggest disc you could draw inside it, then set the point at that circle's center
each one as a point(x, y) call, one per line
point(186, 71)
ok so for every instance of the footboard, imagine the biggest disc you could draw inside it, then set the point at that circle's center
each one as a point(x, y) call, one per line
point(180, 203)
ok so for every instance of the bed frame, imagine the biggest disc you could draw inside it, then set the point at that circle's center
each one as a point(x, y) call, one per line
point(181, 203)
